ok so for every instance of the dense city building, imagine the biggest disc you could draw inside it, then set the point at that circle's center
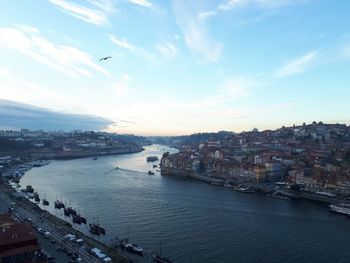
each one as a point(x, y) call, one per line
point(315, 156)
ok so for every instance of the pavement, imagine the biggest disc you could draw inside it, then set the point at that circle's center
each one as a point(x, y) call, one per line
point(25, 214)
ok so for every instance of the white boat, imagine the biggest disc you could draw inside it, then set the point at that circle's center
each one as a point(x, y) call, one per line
point(243, 189)
point(132, 248)
point(339, 209)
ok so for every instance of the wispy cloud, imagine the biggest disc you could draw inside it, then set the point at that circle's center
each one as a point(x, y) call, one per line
point(94, 11)
point(123, 43)
point(144, 3)
point(196, 36)
point(263, 4)
point(121, 86)
point(232, 89)
point(206, 15)
point(206, 113)
point(167, 49)
point(298, 65)
point(15, 88)
point(66, 59)
point(231, 4)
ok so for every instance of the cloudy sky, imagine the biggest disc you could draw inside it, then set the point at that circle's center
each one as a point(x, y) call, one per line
point(177, 67)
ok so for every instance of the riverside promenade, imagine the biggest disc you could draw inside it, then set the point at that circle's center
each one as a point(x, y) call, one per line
point(57, 227)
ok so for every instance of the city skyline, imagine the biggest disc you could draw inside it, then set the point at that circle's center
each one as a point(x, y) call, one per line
point(178, 67)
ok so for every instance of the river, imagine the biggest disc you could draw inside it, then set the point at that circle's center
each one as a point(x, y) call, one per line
point(195, 221)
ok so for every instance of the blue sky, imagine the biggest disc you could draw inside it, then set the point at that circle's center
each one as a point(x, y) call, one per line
point(179, 67)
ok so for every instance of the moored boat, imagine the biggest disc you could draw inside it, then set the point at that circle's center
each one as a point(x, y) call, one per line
point(96, 228)
point(152, 158)
point(36, 197)
point(243, 189)
point(160, 259)
point(66, 212)
point(29, 189)
point(340, 209)
point(59, 204)
point(40, 163)
point(132, 248)
point(94, 231)
point(76, 219)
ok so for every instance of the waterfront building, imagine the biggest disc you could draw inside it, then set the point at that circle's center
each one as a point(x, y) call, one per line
point(18, 243)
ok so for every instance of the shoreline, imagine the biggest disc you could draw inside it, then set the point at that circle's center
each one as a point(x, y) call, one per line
point(87, 155)
point(58, 222)
point(263, 188)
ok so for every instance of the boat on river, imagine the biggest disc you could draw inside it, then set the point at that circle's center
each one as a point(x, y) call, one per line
point(132, 248)
point(340, 209)
point(40, 163)
point(152, 158)
point(66, 212)
point(158, 258)
point(97, 229)
point(243, 189)
point(36, 197)
point(58, 204)
point(76, 219)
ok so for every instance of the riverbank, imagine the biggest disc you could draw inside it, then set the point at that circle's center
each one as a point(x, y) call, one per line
point(269, 189)
point(58, 223)
point(186, 215)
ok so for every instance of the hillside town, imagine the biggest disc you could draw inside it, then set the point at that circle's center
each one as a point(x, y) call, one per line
point(16, 145)
point(316, 157)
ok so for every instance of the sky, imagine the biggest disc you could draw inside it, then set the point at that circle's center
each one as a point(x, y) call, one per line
point(177, 67)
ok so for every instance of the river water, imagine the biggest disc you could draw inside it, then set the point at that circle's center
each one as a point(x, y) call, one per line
point(195, 221)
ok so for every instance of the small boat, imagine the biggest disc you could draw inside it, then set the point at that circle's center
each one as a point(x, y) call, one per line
point(36, 197)
point(152, 158)
point(82, 219)
point(71, 211)
point(94, 231)
point(159, 258)
point(132, 248)
point(59, 204)
point(243, 189)
point(66, 212)
point(95, 158)
point(97, 228)
point(340, 209)
point(150, 173)
point(40, 163)
point(29, 189)
point(76, 219)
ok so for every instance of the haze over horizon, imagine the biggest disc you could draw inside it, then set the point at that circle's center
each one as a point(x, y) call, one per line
point(177, 67)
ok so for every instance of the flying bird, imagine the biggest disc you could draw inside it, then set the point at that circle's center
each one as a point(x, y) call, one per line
point(105, 58)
